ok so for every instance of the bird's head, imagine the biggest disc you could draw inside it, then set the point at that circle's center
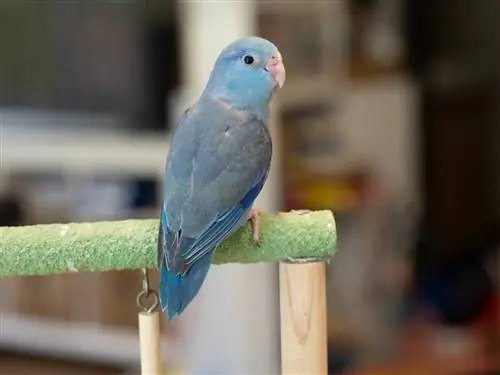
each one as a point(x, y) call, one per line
point(247, 72)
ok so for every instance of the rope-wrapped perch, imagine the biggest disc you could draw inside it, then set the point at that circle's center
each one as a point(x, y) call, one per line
point(116, 245)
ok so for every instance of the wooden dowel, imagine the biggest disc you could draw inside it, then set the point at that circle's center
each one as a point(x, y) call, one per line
point(149, 338)
point(303, 319)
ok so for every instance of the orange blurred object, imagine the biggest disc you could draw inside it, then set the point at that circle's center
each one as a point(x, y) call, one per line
point(336, 194)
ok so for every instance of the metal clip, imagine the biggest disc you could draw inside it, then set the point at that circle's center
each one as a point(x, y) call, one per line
point(146, 293)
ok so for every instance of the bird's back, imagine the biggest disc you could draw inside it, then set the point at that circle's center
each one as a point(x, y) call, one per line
point(217, 155)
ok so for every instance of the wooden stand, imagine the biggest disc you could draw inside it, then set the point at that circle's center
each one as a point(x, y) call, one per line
point(303, 319)
point(149, 336)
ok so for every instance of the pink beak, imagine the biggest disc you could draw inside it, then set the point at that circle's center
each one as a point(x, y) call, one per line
point(277, 69)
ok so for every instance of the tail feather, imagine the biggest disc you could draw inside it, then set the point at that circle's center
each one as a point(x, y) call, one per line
point(177, 291)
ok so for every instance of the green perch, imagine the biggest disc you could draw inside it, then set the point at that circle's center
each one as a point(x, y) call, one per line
point(116, 245)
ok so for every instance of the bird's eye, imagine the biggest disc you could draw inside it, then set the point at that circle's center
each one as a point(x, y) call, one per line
point(248, 60)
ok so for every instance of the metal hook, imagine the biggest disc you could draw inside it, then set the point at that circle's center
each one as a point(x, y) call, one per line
point(145, 281)
point(145, 293)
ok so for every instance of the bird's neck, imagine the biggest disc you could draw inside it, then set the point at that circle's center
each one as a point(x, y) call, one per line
point(241, 94)
point(258, 108)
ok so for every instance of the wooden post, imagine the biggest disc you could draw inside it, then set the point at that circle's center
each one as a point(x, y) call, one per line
point(149, 338)
point(303, 318)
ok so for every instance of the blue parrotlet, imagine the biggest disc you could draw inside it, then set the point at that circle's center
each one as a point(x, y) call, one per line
point(218, 162)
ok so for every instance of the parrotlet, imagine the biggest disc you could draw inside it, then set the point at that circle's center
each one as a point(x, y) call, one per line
point(218, 162)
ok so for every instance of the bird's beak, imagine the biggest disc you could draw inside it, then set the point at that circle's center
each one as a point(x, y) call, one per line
point(277, 70)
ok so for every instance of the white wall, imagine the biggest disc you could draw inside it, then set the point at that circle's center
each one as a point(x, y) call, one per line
point(379, 121)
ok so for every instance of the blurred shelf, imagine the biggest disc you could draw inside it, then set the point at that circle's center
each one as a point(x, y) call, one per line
point(26, 364)
point(362, 69)
point(87, 342)
point(83, 152)
point(286, 6)
point(306, 89)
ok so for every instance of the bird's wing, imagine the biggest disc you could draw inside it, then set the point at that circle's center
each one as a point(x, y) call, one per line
point(210, 186)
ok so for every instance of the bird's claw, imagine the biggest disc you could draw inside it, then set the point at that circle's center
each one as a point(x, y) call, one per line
point(254, 216)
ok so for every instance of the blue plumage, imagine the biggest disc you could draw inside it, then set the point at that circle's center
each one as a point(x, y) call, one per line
point(217, 165)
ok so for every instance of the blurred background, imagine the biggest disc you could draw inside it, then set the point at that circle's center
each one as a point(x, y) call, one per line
point(390, 118)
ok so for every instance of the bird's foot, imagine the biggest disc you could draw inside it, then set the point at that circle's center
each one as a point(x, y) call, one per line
point(254, 216)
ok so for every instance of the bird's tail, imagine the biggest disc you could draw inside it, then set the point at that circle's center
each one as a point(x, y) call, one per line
point(176, 291)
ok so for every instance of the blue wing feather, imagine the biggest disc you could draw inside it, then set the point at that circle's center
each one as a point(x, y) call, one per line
point(222, 226)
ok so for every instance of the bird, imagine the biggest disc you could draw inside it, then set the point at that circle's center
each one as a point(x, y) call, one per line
point(218, 162)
